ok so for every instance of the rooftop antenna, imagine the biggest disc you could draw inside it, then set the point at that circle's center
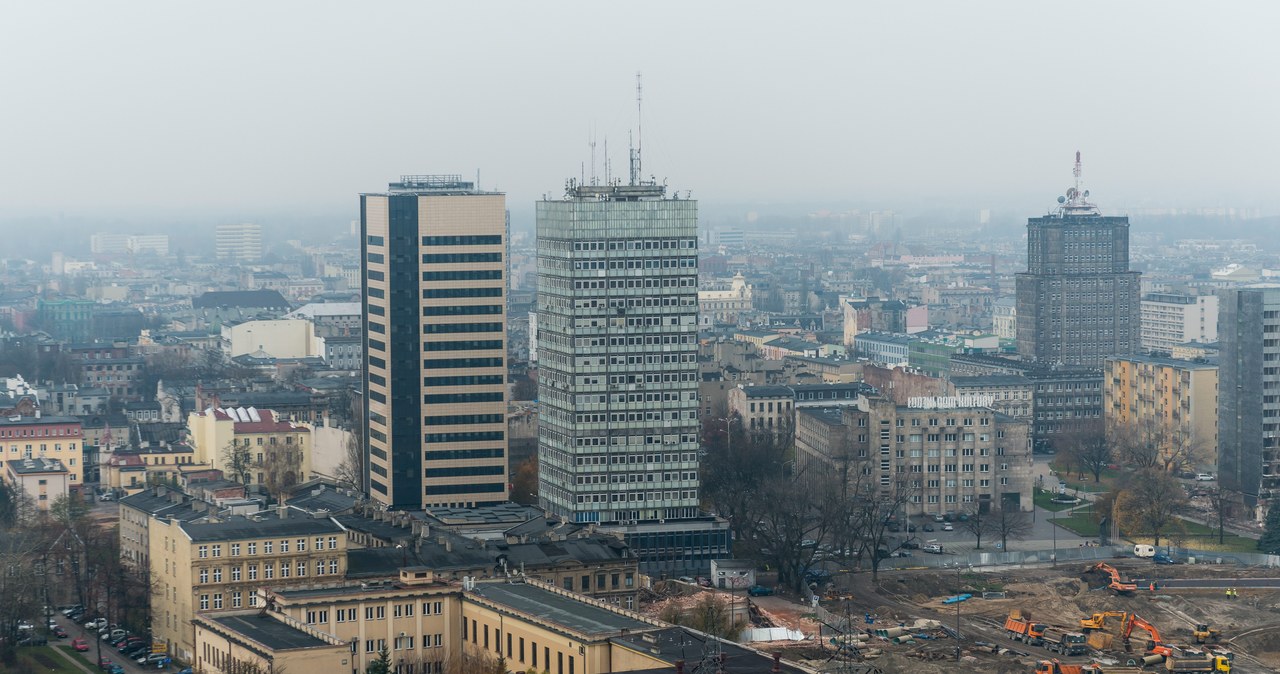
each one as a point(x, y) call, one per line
point(1075, 201)
point(591, 140)
point(635, 152)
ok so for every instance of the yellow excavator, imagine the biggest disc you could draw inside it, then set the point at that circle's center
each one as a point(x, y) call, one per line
point(1205, 634)
point(1098, 621)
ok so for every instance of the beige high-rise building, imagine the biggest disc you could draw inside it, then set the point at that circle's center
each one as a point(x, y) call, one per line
point(238, 243)
point(1168, 401)
point(435, 287)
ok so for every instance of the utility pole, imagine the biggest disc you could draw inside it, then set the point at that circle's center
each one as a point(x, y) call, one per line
point(957, 611)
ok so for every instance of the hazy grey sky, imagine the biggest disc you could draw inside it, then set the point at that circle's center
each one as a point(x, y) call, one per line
point(238, 108)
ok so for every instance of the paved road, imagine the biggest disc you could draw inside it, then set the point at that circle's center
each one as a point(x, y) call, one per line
point(1221, 583)
point(97, 648)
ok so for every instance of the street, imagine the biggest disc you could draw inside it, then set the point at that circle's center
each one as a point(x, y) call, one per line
point(97, 648)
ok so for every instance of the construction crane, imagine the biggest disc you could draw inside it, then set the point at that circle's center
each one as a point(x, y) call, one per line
point(1117, 584)
point(1157, 644)
point(1098, 621)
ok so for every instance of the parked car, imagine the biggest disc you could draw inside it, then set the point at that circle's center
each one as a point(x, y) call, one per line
point(948, 527)
point(136, 650)
point(80, 644)
point(1204, 477)
point(59, 632)
point(95, 623)
point(687, 579)
point(895, 527)
point(759, 591)
point(24, 626)
point(154, 660)
point(910, 545)
point(113, 635)
point(911, 528)
point(72, 609)
point(115, 669)
point(939, 518)
point(933, 548)
point(103, 662)
point(927, 527)
point(1161, 558)
point(33, 640)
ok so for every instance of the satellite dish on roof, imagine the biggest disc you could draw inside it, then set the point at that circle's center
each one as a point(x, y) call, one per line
point(1062, 200)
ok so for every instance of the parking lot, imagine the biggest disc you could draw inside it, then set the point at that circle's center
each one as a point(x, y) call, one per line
point(98, 648)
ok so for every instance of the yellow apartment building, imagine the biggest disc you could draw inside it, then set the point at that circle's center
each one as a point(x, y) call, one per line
point(273, 443)
point(1175, 400)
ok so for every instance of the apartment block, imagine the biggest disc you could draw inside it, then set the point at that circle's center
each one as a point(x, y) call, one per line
point(45, 437)
point(1172, 319)
point(1249, 396)
point(435, 342)
point(238, 242)
point(1175, 400)
point(952, 453)
point(279, 449)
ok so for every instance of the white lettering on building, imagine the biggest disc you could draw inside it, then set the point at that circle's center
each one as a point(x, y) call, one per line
point(950, 402)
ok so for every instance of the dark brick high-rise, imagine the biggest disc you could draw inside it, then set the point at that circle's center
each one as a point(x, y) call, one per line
point(1078, 300)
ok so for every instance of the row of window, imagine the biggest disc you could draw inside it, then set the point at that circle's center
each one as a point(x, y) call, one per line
point(455, 258)
point(268, 571)
point(268, 547)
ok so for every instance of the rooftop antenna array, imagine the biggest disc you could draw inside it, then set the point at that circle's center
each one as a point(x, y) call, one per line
point(635, 152)
point(1075, 201)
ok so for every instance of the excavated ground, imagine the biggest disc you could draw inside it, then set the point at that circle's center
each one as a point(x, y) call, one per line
point(1250, 625)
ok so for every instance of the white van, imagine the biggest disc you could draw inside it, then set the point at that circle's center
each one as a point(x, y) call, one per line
point(1144, 551)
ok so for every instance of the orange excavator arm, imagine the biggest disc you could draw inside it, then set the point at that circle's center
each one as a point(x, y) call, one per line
point(1157, 644)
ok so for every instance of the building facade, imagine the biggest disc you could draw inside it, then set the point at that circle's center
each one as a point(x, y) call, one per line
point(238, 243)
point(617, 341)
point(1248, 414)
point(278, 451)
point(1077, 303)
point(1172, 401)
point(435, 342)
point(58, 439)
point(1173, 319)
point(42, 480)
point(220, 565)
point(951, 454)
point(618, 372)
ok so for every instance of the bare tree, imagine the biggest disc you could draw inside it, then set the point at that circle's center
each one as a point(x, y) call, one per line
point(237, 460)
point(870, 511)
point(1220, 501)
point(1087, 447)
point(1156, 443)
point(281, 470)
point(976, 524)
point(1008, 522)
point(1150, 503)
point(351, 470)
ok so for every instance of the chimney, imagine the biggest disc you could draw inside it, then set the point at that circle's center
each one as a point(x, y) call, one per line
point(283, 510)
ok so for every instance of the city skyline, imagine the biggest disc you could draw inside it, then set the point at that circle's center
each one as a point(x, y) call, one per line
point(853, 113)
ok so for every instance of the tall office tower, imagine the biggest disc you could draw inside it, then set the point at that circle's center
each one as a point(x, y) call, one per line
point(434, 250)
point(238, 243)
point(618, 372)
point(1248, 381)
point(1077, 303)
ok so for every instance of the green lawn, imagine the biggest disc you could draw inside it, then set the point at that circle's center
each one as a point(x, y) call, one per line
point(1044, 499)
point(1081, 524)
point(1109, 478)
point(1196, 535)
point(41, 659)
point(82, 658)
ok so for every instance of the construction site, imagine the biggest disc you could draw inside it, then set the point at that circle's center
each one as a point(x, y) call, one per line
point(1127, 615)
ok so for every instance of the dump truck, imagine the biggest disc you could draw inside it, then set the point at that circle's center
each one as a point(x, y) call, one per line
point(1192, 665)
point(1059, 640)
point(1024, 629)
point(1205, 634)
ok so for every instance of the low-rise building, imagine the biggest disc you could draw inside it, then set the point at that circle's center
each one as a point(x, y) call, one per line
point(219, 564)
point(45, 437)
point(430, 625)
point(279, 451)
point(43, 480)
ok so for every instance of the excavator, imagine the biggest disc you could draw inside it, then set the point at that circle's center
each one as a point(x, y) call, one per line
point(1099, 620)
point(1205, 634)
point(1117, 584)
point(1156, 645)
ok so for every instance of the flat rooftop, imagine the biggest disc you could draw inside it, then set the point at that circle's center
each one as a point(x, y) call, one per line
point(558, 608)
point(268, 632)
